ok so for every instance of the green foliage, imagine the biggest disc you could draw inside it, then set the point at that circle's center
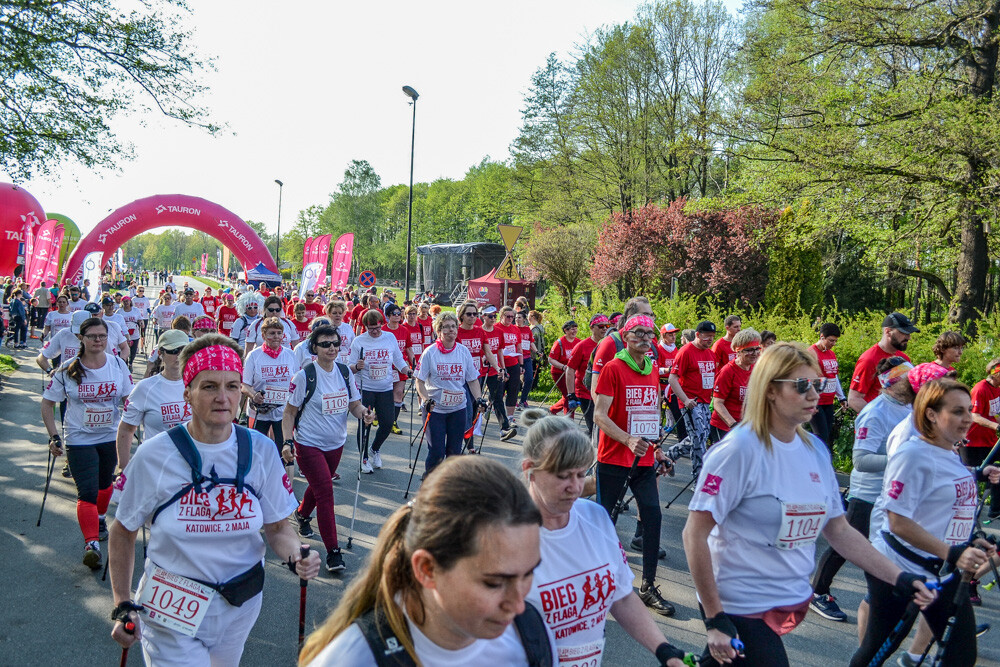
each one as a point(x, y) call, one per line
point(795, 281)
point(7, 364)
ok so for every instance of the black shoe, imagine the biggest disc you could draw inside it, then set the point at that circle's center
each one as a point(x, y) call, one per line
point(637, 545)
point(102, 529)
point(305, 524)
point(335, 561)
point(65, 470)
point(982, 629)
point(650, 596)
point(509, 433)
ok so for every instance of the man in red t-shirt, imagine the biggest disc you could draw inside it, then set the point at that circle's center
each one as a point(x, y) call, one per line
point(576, 368)
point(627, 411)
point(209, 303)
point(896, 330)
point(426, 323)
point(985, 429)
point(723, 348)
point(666, 352)
point(822, 421)
point(313, 307)
point(692, 378)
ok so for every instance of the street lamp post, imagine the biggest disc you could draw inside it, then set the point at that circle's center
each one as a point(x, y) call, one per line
point(277, 243)
point(412, 94)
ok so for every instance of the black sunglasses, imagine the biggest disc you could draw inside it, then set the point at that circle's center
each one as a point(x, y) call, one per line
point(327, 343)
point(802, 385)
point(173, 350)
point(274, 310)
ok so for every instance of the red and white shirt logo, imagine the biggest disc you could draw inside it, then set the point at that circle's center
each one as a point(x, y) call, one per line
point(712, 484)
point(895, 489)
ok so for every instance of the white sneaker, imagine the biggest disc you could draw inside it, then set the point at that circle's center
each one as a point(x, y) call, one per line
point(377, 460)
point(366, 467)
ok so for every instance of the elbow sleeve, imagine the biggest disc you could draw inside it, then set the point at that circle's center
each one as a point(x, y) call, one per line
point(865, 461)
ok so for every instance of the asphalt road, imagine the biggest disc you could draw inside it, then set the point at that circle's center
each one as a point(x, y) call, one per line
point(56, 611)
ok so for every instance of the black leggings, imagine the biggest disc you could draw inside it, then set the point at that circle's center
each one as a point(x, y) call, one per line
point(587, 406)
point(762, 645)
point(858, 514)
point(610, 479)
point(887, 609)
point(265, 427)
point(133, 348)
point(496, 389)
point(93, 468)
point(822, 424)
point(512, 387)
point(385, 409)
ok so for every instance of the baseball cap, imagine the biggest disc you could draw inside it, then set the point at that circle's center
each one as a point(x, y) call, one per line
point(79, 317)
point(107, 301)
point(92, 308)
point(705, 327)
point(172, 338)
point(188, 290)
point(900, 322)
point(489, 310)
point(668, 328)
point(568, 324)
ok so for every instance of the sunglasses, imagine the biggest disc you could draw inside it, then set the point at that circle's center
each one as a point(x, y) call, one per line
point(327, 344)
point(274, 310)
point(751, 350)
point(470, 314)
point(173, 350)
point(251, 307)
point(802, 385)
point(310, 295)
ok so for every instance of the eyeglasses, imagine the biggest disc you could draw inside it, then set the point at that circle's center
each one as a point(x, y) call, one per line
point(802, 385)
point(490, 316)
point(173, 350)
point(327, 344)
point(96, 337)
point(274, 310)
point(645, 335)
point(751, 350)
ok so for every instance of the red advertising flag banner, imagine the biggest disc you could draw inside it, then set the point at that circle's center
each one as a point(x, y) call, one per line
point(321, 255)
point(307, 251)
point(39, 256)
point(51, 274)
point(340, 269)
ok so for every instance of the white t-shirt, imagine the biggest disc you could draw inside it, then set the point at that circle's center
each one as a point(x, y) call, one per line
point(93, 408)
point(871, 431)
point(157, 404)
point(190, 312)
point(769, 508)
point(163, 315)
point(446, 375)
point(141, 303)
point(302, 354)
point(77, 305)
point(289, 338)
point(901, 433)
point(66, 345)
point(118, 320)
point(323, 422)
point(214, 536)
point(131, 319)
point(240, 330)
point(170, 284)
point(116, 336)
point(351, 648)
point(929, 485)
point(271, 376)
point(381, 355)
point(346, 338)
point(57, 321)
point(584, 571)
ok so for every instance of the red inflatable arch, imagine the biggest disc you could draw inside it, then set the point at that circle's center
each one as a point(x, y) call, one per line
point(171, 211)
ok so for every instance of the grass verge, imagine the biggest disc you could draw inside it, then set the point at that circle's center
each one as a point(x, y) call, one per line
point(7, 364)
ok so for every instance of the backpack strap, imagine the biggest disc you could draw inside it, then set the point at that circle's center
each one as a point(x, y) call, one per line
point(347, 377)
point(310, 369)
point(244, 458)
point(531, 629)
point(385, 646)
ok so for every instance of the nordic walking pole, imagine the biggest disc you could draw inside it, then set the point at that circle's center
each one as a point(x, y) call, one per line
point(129, 628)
point(489, 411)
point(304, 552)
point(555, 383)
point(50, 466)
point(902, 628)
point(413, 468)
point(357, 486)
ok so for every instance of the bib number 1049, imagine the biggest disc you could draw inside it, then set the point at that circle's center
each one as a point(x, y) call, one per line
point(174, 601)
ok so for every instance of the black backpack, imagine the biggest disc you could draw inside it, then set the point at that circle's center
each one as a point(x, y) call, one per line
point(310, 369)
point(244, 457)
point(388, 651)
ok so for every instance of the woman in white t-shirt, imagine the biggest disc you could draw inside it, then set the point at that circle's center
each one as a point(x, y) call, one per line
point(584, 573)
point(335, 311)
point(763, 497)
point(156, 402)
point(199, 594)
point(374, 354)
point(93, 384)
point(58, 319)
point(317, 442)
point(132, 318)
point(445, 373)
point(925, 518)
point(266, 379)
point(448, 577)
point(163, 313)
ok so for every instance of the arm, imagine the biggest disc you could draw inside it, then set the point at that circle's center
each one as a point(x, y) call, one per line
point(422, 390)
point(675, 384)
point(631, 614)
point(721, 410)
point(491, 359)
point(570, 379)
point(288, 425)
point(49, 417)
point(123, 442)
point(865, 461)
point(856, 548)
point(856, 400)
point(43, 363)
point(285, 544)
point(121, 559)
point(474, 389)
point(602, 403)
point(699, 557)
point(985, 422)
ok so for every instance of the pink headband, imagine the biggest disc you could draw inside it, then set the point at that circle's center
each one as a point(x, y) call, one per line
point(203, 322)
point(639, 321)
point(924, 373)
point(213, 358)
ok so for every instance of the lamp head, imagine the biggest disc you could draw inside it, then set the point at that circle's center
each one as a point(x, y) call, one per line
point(409, 92)
point(278, 182)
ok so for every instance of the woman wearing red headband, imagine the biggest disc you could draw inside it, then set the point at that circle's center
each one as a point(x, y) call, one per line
point(731, 385)
point(206, 519)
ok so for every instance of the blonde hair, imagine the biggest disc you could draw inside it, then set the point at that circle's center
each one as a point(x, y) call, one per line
point(777, 363)
point(555, 444)
point(441, 319)
point(336, 304)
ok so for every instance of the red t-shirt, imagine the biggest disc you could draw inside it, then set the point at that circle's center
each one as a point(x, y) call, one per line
point(578, 361)
point(723, 350)
point(302, 328)
point(635, 408)
point(864, 380)
point(828, 365)
point(426, 329)
point(402, 334)
point(511, 344)
point(731, 388)
point(524, 333)
point(415, 339)
point(314, 309)
point(227, 315)
point(356, 312)
point(695, 370)
point(665, 360)
point(494, 339)
point(606, 351)
point(985, 402)
point(561, 351)
point(474, 339)
point(210, 303)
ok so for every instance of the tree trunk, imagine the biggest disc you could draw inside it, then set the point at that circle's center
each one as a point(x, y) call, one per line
point(972, 258)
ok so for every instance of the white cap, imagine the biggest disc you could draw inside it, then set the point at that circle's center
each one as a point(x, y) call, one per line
point(79, 317)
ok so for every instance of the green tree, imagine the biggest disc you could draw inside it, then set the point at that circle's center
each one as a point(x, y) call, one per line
point(562, 255)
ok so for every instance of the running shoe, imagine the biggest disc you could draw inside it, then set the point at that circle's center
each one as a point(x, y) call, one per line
point(827, 607)
point(982, 629)
point(650, 596)
point(376, 459)
point(509, 433)
point(336, 477)
point(397, 431)
point(523, 405)
point(366, 467)
point(102, 529)
point(402, 408)
point(335, 561)
point(305, 524)
point(92, 555)
point(66, 471)
point(637, 545)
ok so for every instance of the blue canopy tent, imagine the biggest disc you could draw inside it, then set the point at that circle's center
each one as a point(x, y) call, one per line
point(261, 274)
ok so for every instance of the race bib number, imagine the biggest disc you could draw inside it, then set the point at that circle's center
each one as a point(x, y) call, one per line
point(174, 602)
point(227, 326)
point(97, 417)
point(707, 380)
point(644, 422)
point(335, 403)
point(525, 345)
point(378, 372)
point(275, 395)
point(451, 399)
point(960, 526)
point(830, 386)
point(509, 351)
point(477, 363)
point(800, 524)
point(582, 655)
point(417, 349)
